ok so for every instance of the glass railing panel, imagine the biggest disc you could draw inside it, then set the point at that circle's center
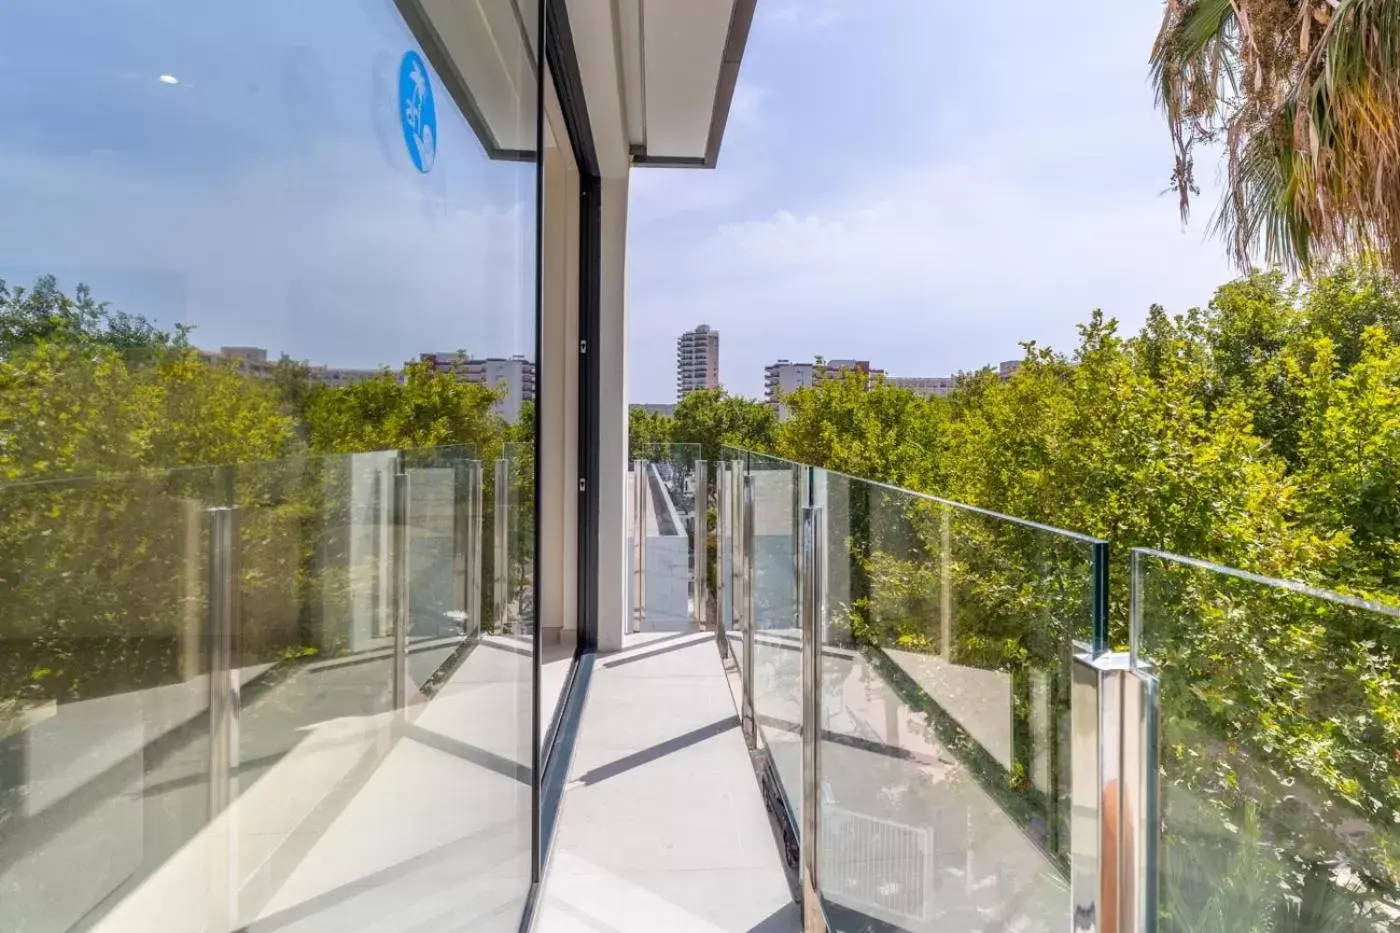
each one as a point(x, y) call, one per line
point(1279, 777)
point(215, 714)
point(780, 489)
point(103, 688)
point(730, 563)
point(669, 514)
point(945, 761)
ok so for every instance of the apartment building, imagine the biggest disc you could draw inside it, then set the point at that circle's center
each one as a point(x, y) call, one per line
point(515, 374)
point(339, 377)
point(785, 377)
point(927, 386)
point(697, 361)
point(254, 362)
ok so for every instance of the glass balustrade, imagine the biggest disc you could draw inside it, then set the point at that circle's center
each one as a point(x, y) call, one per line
point(945, 768)
point(664, 494)
point(1279, 771)
point(240, 694)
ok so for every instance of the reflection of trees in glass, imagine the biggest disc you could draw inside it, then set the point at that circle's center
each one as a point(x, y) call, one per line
point(115, 437)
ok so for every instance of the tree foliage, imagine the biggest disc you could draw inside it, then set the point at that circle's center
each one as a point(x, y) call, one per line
point(713, 418)
point(1259, 432)
point(117, 436)
point(1304, 96)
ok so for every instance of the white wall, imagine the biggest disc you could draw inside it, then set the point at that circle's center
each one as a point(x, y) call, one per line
point(612, 419)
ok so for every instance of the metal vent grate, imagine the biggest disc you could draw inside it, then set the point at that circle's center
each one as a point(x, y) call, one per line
point(875, 864)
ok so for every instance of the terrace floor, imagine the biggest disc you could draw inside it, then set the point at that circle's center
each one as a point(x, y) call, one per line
point(663, 826)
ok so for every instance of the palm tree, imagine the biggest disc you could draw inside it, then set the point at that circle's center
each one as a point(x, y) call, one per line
point(1304, 96)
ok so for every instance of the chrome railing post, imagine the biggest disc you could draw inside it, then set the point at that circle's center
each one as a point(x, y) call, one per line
point(747, 598)
point(641, 488)
point(1113, 722)
point(701, 543)
point(399, 571)
point(224, 706)
point(800, 502)
point(500, 565)
point(812, 586)
point(380, 585)
point(723, 549)
point(471, 497)
point(945, 582)
point(224, 682)
point(461, 543)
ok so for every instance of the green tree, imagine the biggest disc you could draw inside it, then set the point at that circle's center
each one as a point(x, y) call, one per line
point(846, 424)
point(44, 313)
point(646, 430)
point(713, 418)
point(425, 409)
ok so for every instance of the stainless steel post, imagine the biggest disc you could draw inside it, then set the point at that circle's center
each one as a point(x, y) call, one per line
point(192, 653)
point(701, 543)
point(224, 706)
point(401, 607)
point(736, 563)
point(461, 544)
point(383, 532)
point(945, 578)
point(809, 836)
point(1113, 721)
point(799, 505)
point(640, 491)
point(475, 542)
point(723, 549)
point(500, 565)
point(224, 683)
point(746, 675)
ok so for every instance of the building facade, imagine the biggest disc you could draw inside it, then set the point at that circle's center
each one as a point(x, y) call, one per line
point(697, 361)
point(927, 386)
point(941, 386)
point(785, 377)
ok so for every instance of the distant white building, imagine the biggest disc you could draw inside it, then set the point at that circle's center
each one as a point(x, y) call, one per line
point(516, 374)
point(254, 362)
point(338, 377)
point(785, 377)
point(941, 386)
point(697, 361)
point(927, 386)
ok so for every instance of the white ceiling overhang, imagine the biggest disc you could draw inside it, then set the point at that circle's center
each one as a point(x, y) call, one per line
point(680, 61)
point(658, 75)
point(484, 51)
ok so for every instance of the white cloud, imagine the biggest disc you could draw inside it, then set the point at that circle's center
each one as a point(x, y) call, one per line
point(803, 14)
point(332, 258)
point(925, 211)
point(944, 266)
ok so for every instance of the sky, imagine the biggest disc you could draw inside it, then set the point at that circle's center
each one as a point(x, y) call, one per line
point(921, 184)
point(242, 168)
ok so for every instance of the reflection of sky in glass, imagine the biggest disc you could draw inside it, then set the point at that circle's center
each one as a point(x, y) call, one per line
point(267, 197)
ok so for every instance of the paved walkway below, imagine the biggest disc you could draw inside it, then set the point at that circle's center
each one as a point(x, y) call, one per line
point(663, 826)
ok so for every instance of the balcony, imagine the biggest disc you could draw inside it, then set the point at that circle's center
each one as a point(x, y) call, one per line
point(398, 655)
point(314, 695)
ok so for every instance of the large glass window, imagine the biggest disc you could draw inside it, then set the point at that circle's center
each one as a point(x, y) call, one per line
point(267, 422)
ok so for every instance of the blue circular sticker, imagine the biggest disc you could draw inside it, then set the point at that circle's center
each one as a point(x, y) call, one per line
point(416, 111)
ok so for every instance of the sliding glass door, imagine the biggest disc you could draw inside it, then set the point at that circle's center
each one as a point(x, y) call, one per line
point(269, 366)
